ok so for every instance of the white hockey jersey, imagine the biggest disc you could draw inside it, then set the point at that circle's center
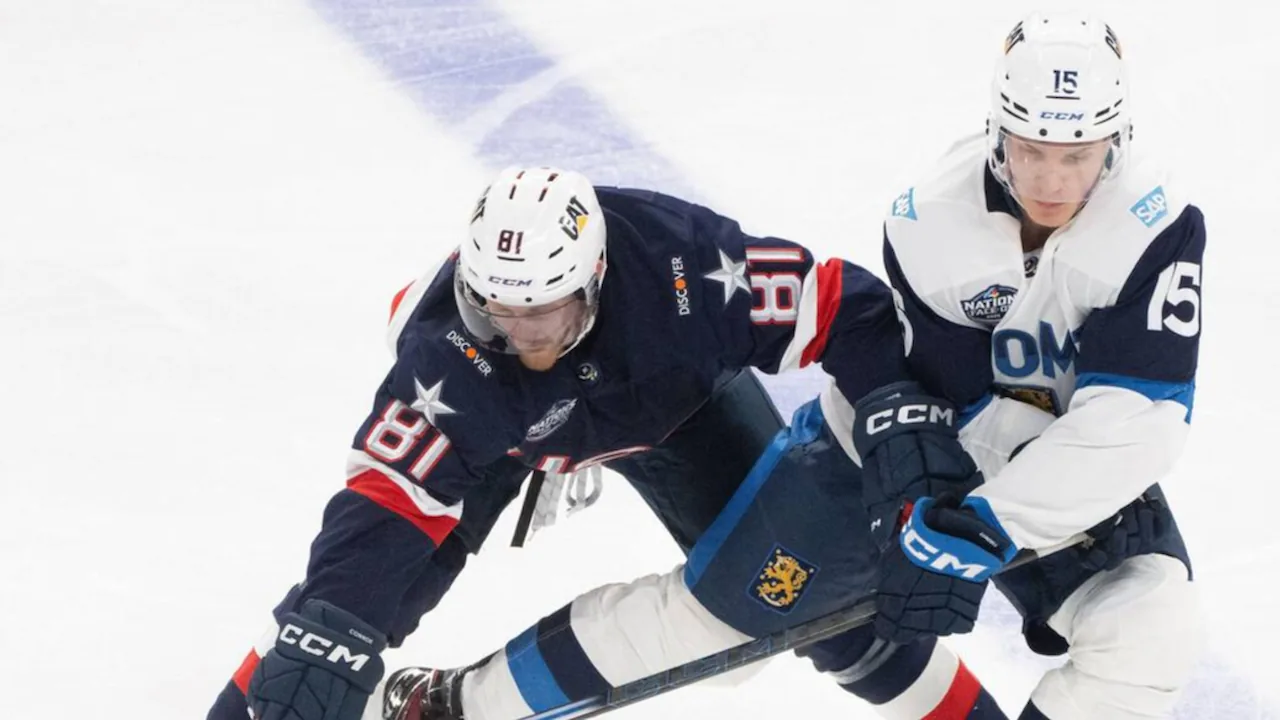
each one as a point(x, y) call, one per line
point(1102, 337)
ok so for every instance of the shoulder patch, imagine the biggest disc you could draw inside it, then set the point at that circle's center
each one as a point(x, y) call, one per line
point(905, 205)
point(990, 305)
point(1152, 208)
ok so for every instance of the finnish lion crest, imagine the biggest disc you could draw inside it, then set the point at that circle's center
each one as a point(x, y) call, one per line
point(782, 580)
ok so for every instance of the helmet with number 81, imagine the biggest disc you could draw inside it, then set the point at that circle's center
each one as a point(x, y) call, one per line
point(1059, 119)
point(528, 276)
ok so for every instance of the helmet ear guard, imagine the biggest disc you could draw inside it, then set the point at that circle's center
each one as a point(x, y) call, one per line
point(1116, 145)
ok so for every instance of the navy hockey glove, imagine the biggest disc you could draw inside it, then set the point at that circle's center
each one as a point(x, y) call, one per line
point(324, 666)
point(1132, 531)
point(932, 582)
point(909, 445)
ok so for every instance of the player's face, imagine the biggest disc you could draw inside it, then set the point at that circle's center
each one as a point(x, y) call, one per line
point(1052, 180)
point(539, 333)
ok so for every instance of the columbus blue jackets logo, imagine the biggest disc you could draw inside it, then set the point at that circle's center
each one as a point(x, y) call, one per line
point(783, 580)
point(990, 305)
point(552, 421)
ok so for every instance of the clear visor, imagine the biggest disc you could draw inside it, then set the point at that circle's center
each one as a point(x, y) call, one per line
point(1053, 174)
point(516, 330)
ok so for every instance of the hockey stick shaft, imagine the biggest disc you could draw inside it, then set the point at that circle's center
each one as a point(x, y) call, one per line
point(747, 653)
point(526, 510)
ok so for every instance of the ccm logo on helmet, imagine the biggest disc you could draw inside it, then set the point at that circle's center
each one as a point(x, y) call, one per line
point(908, 415)
point(1046, 115)
point(313, 644)
point(509, 282)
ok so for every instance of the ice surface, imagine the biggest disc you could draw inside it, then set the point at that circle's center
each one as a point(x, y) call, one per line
point(206, 207)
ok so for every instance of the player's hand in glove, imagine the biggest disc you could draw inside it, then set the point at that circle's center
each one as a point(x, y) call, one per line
point(1132, 531)
point(324, 666)
point(932, 581)
point(909, 445)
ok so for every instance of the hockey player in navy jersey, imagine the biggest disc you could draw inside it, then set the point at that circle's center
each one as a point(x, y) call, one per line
point(1048, 284)
point(801, 538)
point(574, 327)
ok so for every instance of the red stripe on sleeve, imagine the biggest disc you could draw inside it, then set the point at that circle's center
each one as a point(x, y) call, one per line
point(830, 285)
point(383, 490)
point(395, 302)
point(241, 678)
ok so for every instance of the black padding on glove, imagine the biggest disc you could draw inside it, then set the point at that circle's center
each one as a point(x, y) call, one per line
point(912, 602)
point(1132, 531)
point(909, 445)
point(325, 664)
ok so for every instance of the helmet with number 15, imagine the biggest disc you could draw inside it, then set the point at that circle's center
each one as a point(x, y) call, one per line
point(1059, 120)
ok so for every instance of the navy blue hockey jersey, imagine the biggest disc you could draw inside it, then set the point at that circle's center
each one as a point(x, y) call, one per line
point(687, 295)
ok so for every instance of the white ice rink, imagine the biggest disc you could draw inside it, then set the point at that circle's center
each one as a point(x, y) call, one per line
point(205, 208)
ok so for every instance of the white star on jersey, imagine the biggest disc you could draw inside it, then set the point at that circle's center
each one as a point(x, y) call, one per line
point(429, 402)
point(733, 275)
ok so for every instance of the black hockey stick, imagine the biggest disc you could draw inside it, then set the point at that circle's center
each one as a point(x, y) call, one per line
point(526, 510)
point(722, 662)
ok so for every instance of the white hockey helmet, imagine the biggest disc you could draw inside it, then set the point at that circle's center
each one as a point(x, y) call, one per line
point(1060, 81)
point(528, 275)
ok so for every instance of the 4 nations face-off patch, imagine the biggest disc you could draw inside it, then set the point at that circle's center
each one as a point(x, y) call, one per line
point(990, 305)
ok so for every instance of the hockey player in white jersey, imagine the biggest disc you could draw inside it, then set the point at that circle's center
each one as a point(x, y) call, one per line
point(1047, 266)
point(1048, 283)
